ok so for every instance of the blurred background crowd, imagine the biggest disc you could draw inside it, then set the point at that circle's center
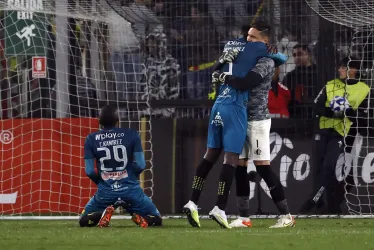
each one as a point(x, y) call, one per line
point(165, 49)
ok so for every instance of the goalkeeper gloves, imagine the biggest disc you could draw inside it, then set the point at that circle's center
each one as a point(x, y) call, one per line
point(217, 77)
point(229, 56)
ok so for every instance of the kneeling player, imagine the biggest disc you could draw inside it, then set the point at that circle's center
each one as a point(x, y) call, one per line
point(120, 160)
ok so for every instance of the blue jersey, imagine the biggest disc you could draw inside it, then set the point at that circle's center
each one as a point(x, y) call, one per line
point(119, 158)
point(249, 53)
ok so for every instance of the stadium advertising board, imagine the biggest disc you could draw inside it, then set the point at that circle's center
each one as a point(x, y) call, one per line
point(293, 159)
point(42, 167)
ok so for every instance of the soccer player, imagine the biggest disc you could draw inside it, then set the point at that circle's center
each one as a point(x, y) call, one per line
point(257, 145)
point(227, 127)
point(119, 159)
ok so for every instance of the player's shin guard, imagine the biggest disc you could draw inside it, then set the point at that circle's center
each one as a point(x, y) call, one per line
point(202, 172)
point(90, 220)
point(224, 185)
point(242, 191)
point(275, 187)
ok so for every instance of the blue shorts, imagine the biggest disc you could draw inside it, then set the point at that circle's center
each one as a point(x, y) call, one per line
point(135, 201)
point(227, 128)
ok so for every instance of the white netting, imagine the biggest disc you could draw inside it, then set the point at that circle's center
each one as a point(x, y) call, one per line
point(352, 13)
point(60, 63)
point(357, 15)
point(358, 161)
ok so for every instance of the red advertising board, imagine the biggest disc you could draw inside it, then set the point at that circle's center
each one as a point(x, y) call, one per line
point(42, 166)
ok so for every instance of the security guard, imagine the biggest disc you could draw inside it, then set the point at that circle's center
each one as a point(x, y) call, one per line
point(337, 129)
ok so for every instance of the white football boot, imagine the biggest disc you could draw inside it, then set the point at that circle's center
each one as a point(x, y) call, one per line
point(219, 216)
point(241, 222)
point(284, 221)
point(190, 209)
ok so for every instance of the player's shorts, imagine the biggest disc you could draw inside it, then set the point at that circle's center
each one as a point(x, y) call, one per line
point(135, 201)
point(257, 143)
point(227, 128)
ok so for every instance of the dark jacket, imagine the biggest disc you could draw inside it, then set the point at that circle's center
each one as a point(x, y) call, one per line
point(302, 82)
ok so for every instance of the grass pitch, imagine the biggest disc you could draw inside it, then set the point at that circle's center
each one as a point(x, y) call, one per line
point(320, 234)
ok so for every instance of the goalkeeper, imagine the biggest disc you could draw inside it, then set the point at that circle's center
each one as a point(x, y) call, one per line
point(257, 145)
point(336, 127)
point(120, 159)
point(227, 127)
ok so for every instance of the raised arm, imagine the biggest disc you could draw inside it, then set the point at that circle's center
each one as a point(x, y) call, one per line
point(278, 58)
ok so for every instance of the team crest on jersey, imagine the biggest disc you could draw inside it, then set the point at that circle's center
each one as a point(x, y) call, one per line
point(258, 151)
point(114, 175)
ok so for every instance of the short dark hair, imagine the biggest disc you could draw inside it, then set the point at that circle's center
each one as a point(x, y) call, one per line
point(245, 28)
point(351, 62)
point(264, 28)
point(108, 116)
point(304, 47)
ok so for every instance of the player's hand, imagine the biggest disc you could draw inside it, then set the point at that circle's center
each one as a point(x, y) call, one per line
point(215, 79)
point(218, 77)
point(272, 49)
point(229, 56)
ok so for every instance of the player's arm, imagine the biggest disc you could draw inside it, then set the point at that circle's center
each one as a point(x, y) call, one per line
point(226, 57)
point(89, 160)
point(139, 160)
point(254, 77)
point(278, 58)
point(321, 109)
point(320, 105)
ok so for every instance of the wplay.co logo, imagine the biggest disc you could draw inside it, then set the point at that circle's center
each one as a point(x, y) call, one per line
point(6, 137)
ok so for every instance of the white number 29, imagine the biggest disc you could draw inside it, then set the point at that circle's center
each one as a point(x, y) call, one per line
point(116, 155)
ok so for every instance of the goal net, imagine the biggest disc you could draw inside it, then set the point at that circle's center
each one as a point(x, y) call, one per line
point(354, 39)
point(60, 62)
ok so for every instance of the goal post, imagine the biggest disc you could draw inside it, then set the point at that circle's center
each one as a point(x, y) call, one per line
point(62, 61)
point(355, 24)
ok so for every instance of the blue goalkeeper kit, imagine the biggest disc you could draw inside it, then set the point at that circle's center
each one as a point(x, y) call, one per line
point(119, 160)
point(228, 118)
